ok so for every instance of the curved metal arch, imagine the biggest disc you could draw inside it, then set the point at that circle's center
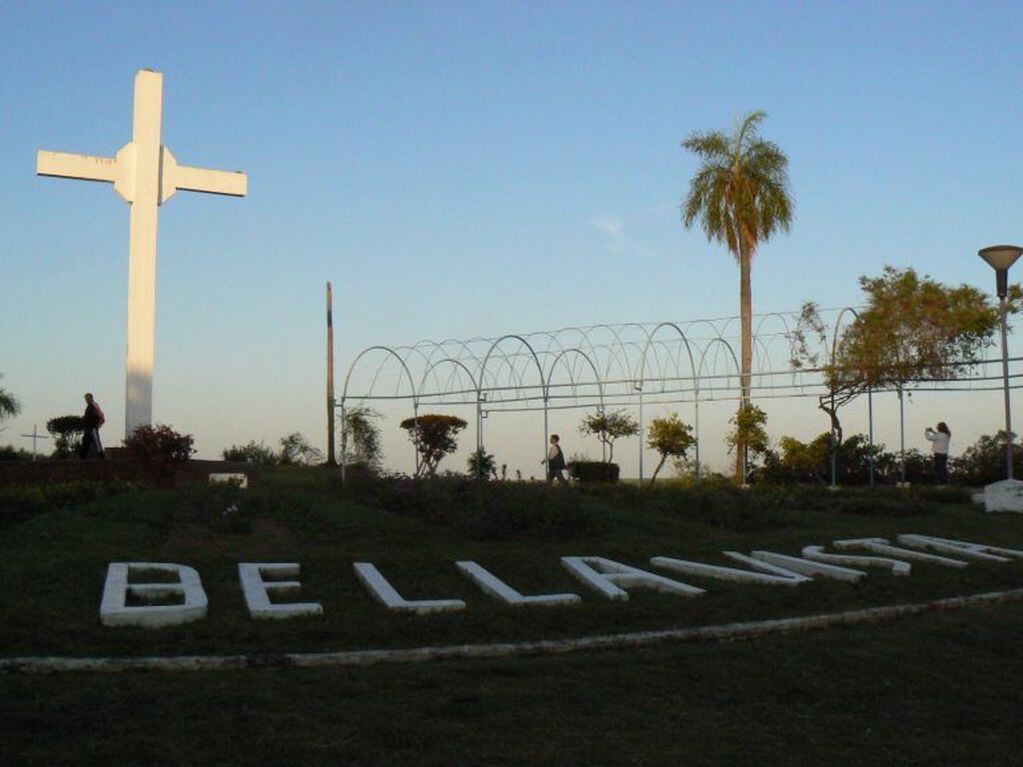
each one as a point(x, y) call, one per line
point(596, 374)
point(650, 338)
point(524, 342)
point(728, 348)
point(388, 350)
point(438, 363)
point(836, 326)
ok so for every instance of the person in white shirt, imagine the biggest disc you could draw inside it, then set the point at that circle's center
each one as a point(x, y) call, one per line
point(939, 439)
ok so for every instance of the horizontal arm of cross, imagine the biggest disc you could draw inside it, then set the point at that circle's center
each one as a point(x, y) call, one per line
point(67, 165)
point(212, 181)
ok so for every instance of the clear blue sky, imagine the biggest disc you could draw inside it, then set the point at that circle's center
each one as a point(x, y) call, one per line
point(464, 169)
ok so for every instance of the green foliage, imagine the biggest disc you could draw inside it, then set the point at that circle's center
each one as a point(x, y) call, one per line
point(67, 434)
point(607, 427)
point(983, 462)
point(911, 328)
point(251, 452)
point(365, 436)
point(20, 502)
point(160, 447)
point(9, 405)
point(748, 429)
point(11, 453)
point(482, 464)
point(671, 438)
point(434, 437)
point(740, 192)
point(296, 451)
point(482, 511)
point(593, 471)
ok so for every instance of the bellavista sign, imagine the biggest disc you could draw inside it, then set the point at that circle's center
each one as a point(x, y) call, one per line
point(264, 592)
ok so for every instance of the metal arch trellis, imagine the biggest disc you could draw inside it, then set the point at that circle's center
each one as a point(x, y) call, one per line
point(602, 366)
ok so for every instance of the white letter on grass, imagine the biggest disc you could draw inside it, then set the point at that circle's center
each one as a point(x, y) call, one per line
point(497, 588)
point(386, 593)
point(817, 554)
point(607, 576)
point(777, 576)
point(114, 610)
point(881, 546)
point(808, 567)
point(963, 548)
point(257, 591)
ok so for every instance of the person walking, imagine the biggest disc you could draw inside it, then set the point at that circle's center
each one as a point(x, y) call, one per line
point(555, 461)
point(92, 420)
point(939, 439)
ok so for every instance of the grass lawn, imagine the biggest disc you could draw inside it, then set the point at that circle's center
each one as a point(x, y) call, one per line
point(933, 689)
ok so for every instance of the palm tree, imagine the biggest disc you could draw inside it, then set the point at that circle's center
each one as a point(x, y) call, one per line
point(740, 195)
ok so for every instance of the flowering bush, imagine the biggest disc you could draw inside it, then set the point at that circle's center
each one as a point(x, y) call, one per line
point(159, 445)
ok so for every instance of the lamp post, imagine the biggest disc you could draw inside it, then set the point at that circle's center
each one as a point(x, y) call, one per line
point(1000, 258)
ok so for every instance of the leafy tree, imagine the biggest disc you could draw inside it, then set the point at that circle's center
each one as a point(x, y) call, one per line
point(251, 452)
point(607, 427)
point(748, 434)
point(984, 461)
point(671, 438)
point(296, 451)
point(740, 194)
point(9, 405)
point(911, 328)
point(811, 461)
point(365, 435)
point(434, 437)
point(483, 465)
point(67, 433)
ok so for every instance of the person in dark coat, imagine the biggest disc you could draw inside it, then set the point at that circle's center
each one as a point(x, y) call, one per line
point(92, 420)
point(555, 461)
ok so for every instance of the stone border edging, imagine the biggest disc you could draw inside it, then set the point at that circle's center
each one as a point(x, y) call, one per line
point(723, 632)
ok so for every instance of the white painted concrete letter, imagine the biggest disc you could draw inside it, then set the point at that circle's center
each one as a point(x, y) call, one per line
point(881, 546)
point(114, 610)
point(257, 591)
point(817, 554)
point(776, 576)
point(962, 548)
point(495, 587)
point(378, 586)
point(610, 578)
point(808, 567)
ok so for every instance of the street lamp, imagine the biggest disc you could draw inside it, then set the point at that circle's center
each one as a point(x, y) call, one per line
point(1000, 258)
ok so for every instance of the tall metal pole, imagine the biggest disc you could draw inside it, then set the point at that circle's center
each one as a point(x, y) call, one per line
point(902, 434)
point(1005, 377)
point(331, 460)
point(344, 440)
point(870, 432)
point(697, 429)
point(641, 436)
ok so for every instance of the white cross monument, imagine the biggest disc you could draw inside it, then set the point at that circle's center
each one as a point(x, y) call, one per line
point(145, 174)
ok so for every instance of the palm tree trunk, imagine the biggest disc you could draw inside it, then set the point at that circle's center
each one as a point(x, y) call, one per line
point(746, 356)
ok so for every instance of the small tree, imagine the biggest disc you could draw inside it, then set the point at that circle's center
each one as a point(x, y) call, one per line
point(483, 465)
point(67, 434)
point(251, 452)
point(365, 436)
point(9, 405)
point(434, 437)
point(671, 438)
point(607, 427)
point(296, 451)
point(911, 328)
point(748, 433)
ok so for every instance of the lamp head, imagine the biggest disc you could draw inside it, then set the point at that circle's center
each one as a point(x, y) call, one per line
point(1000, 256)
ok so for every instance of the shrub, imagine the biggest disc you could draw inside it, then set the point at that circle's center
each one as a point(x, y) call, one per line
point(434, 437)
point(594, 471)
point(296, 451)
point(159, 446)
point(11, 453)
point(483, 465)
point(251, 452)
